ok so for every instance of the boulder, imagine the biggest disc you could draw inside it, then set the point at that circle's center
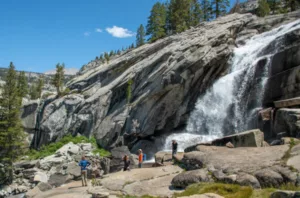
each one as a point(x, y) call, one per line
point(57, 179)
point(253, 138)
point(285, 194)
point(68, 149)
point(163, 156)
point(229, 145)
point(117, 154)
point(190, 177)
point(40, 177)
point(51, 161)
point(245, 179)
point(269, 178)
point(29, 173)
point(194, 160)
point(98, 193)
point(44, 186)
point(74, 169)
point(287, 119)
point(26, 164)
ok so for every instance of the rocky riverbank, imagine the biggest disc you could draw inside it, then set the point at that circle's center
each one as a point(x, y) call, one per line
point(258, 167)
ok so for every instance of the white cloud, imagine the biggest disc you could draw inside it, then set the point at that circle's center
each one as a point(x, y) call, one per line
point(119, 32)
point(98, 30)
point(87, 34)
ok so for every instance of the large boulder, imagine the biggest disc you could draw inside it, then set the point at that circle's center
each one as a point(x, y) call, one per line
point(163, 156)
point(68, 149)
point(269, 178)
point(190, 177)
point(253, 138)
point(51, 161)
point(287, 120)
point(116, 163)
point(245, 179)
point(74, 169)
point(57, 179)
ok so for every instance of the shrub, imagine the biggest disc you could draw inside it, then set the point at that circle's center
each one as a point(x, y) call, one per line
point(53, 147)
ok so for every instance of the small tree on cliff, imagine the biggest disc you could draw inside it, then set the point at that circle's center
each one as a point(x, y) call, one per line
point(58, 79)
point(11, 133)
point(140, 36)
point(22, 85)
point(263, 8)
point(219, 7)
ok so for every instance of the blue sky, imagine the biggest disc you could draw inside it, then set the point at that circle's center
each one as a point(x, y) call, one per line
point(37, 34)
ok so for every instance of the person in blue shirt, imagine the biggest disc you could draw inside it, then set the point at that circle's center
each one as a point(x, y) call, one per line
point(84, 164)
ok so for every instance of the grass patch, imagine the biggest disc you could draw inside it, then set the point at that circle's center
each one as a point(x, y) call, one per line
point(51, 148)
point(263, 193)
point(226, 190)
point(144, 196)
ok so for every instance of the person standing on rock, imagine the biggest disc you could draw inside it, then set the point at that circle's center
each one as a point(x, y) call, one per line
point(126, 163)
point(84, 164)
point(174, 148)
point(140, 158)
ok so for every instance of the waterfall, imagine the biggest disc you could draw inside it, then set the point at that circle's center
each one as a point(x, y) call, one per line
point(232, 103)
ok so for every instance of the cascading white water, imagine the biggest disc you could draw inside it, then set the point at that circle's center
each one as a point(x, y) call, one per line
point(233, 100)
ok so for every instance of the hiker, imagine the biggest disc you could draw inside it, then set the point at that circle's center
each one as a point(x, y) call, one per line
point(140, 158)
point(174, 148)
point(126, 163)
point(84, 164)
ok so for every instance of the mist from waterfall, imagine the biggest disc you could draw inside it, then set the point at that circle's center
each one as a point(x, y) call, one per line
point(232, 103)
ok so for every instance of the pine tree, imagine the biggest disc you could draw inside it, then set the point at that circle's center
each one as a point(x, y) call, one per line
point(140, 36)
point(106, 56)
point(195, 13)
point(219, 7)
point(292, 5)
point(157, 22)
point(263, 8)
point(180, 15)
point(132, 46)
point(22, 85)
point(206, 10)
point(11, 133)
point(39, 87)
point(118, 52)
point(111, 53)
point(274, 6)
point(58, 79)
point(96, 58)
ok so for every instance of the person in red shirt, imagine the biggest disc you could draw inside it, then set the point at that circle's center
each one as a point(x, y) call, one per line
point(140, 158)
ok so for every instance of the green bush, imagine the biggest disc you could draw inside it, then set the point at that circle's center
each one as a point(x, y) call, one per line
point(53, 147)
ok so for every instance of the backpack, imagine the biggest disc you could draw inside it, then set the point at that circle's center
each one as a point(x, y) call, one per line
point(144, 157)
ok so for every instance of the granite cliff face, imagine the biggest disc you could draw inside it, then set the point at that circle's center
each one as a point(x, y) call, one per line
point(147, 91)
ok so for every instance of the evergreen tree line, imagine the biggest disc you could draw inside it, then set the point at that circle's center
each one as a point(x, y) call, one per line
point(12, 136)
point(267, 7)
point(176, 16)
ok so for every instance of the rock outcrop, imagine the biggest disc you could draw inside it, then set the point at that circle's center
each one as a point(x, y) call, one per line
point(157, 84)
